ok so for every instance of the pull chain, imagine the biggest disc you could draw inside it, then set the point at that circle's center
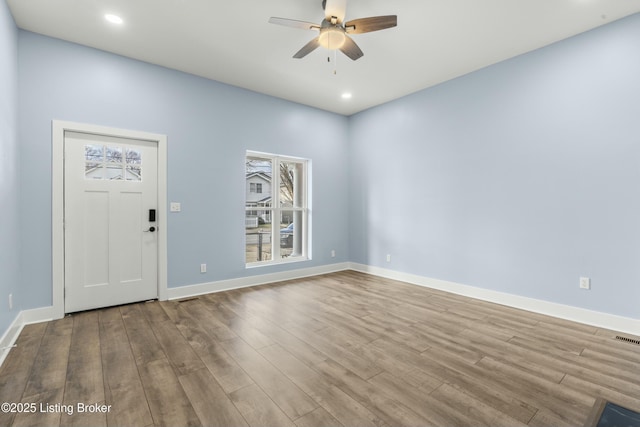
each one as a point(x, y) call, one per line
point(335, 58)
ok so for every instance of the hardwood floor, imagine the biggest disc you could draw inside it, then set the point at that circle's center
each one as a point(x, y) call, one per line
point(343, 349)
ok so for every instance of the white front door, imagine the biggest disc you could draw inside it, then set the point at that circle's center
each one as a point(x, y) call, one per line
point(110, 235)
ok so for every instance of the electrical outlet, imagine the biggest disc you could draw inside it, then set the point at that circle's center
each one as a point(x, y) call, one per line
point(175, 207)
point(10, 301)
point(388, 257)
point(203, 268)
point(333, 253)
point(585, 283)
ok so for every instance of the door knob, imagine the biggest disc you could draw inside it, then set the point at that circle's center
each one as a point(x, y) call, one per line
point(150, 230)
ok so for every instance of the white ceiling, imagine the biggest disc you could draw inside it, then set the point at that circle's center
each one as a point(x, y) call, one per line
point(232, 42)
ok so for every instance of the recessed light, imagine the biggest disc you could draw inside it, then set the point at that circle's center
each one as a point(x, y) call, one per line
point(346, 95)
point(114, 19)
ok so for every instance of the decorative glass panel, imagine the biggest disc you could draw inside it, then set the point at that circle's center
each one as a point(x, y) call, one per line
point(94, 153)
point(93, 170)
point(113, 154)
point(114, 171)
point(112, 163)
point(133, 156)
point(134, 173)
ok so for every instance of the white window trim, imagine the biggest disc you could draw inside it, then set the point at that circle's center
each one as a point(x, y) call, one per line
point(276, 210)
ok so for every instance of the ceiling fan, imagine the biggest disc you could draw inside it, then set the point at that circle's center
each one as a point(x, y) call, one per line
point(334, 32)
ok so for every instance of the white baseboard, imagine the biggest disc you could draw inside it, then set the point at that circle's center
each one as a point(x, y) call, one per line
point(10, 336)
point(576, 314)
point(25, 317)
point(594, 318)
point(44, 314)
point(248, 281)
point(37, 315)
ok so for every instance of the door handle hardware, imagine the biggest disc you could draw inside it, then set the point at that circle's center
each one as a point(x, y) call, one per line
point(150, 230)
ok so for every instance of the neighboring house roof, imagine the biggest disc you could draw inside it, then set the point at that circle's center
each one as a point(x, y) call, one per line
point(259, 175)
point(255, 203)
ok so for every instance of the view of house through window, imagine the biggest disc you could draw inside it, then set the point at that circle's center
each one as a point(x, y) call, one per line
point(276, 209)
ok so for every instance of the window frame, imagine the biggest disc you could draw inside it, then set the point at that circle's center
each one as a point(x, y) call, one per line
point(276, 209)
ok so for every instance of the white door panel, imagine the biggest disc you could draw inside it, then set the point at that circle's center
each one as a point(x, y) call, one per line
point(110, 254)
point(131, 256)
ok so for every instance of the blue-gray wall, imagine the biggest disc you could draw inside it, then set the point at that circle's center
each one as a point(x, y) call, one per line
point(519, 178)
point(209, 127)
point(9, 160)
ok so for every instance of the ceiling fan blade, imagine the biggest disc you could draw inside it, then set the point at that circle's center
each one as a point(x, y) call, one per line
point(374, 23)
point(335, 8)
point(351, 49)
point(308, 48)
point(294, 23)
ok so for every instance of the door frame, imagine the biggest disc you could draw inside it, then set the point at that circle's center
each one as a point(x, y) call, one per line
point(58, 130)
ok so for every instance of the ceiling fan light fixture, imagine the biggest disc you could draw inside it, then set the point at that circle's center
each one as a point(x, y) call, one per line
point(334, 33)
point(332, 38)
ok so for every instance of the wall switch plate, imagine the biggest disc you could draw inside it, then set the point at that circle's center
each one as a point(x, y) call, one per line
point(203, 268)
point(10, 301)
point(333, 253)
point(585, 283)
point(175, 207)
point(388, 257)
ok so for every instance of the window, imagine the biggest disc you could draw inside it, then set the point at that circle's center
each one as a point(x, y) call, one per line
point(255, 187)
point(112, 163)
point(276, 209)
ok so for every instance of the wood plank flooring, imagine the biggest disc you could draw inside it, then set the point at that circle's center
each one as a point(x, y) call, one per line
point(343, 349)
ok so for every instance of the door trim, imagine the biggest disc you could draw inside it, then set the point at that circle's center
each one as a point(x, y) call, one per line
point(58, 130)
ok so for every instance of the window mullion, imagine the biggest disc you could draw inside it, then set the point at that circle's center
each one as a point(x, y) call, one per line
point(275, 222)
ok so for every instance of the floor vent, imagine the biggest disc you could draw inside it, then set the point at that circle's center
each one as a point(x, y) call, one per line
point(188, 299)
point(632, 341)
